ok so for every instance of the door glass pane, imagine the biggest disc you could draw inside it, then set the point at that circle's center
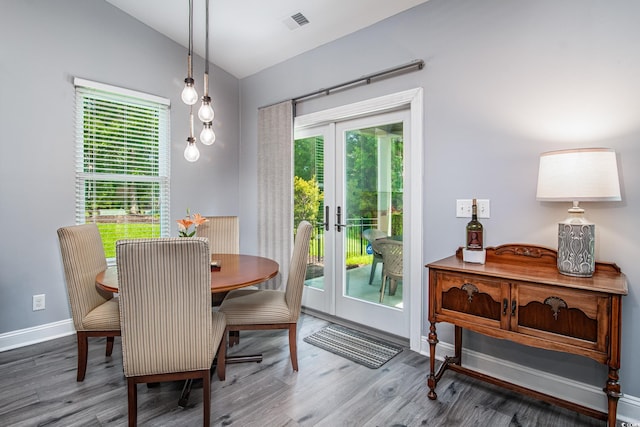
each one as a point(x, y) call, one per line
point(373, 196)
point(308, 193)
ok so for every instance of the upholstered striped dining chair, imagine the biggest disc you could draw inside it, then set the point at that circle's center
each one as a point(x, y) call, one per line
point(168, 329)
point(223, 233)
point(257, 309)
point(95, 313)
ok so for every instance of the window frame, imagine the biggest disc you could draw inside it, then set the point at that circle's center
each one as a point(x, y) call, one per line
point(156, 176)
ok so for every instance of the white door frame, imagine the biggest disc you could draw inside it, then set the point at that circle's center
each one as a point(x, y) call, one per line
point(378, 316)
point(323, 299)
point(413, 99)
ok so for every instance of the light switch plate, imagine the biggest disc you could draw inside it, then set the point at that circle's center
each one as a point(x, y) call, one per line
point(484, 210)
point(463, 208)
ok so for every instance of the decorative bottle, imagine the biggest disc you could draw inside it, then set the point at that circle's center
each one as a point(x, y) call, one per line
point(474, 230)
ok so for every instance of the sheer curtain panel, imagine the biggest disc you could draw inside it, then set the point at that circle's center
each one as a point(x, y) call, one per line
point(275, 186)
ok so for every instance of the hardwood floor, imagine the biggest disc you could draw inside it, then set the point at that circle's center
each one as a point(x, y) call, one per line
point(38, 388)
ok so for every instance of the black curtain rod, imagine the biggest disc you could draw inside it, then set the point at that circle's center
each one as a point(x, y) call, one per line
point(418, 64)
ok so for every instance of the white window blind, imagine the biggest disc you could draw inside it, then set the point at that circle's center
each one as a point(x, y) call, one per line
point(122, 162)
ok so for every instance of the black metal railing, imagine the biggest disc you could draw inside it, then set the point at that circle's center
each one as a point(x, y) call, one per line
point(356, 245)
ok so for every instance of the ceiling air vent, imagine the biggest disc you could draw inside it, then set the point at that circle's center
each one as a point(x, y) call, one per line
point(295, 21)
point(300, 19)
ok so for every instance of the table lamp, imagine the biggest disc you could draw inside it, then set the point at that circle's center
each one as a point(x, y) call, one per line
point(580, 175)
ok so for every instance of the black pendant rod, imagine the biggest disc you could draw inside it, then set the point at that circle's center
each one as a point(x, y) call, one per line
point(206, 39)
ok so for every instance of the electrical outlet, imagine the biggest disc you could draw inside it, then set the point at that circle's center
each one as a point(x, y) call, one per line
point(463, 208)
point(38, 302)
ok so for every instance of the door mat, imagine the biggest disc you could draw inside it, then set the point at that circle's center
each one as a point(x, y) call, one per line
point(353, 345)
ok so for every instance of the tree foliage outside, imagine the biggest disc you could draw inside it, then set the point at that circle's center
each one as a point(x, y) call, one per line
point(309, 159)
point(307, 200)
point(361, 169)
point(308, 180)
point(362, 165)
point(122, 165)
point(120, 139)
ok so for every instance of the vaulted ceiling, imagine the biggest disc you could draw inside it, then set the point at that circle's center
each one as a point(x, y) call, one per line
point(247, 36)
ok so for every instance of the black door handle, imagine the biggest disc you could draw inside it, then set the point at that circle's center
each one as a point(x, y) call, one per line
point(325, 224)
point(339, 224)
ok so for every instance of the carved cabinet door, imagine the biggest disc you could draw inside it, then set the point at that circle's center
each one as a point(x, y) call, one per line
point(471, 299)
point(568, 316)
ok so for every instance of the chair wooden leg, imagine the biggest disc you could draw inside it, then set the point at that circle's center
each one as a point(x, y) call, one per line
point(206, 398)
point(83, 345)
point(293, 349)
point(234, 338)
point(221, 365)
point(109, 346)
point(132, 401)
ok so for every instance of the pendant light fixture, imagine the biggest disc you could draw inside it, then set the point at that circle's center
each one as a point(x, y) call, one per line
point(189, 94)
point(191, 153)
point(205, 113)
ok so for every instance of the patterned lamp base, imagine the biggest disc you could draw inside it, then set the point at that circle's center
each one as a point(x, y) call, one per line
point(576, 246)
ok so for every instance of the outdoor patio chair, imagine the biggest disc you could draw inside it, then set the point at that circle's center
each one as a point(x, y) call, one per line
point(391, 251)
point(371, 235)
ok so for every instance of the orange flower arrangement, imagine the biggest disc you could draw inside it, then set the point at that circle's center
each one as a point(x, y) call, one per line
point(185, 224)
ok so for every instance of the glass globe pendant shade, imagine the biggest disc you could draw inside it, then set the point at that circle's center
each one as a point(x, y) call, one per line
point(205, 113)
point(207, 136)
point(189, 94)
point(191, 153)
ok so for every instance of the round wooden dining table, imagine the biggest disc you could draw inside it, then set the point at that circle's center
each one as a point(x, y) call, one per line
point(228, 272)
point(235, 271)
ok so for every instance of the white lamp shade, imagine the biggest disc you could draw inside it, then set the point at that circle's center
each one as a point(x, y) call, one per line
point(589, 174)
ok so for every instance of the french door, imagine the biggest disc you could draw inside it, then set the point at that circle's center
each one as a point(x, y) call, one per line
point(349, 181)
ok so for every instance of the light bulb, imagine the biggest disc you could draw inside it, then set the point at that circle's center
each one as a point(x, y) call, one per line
point(191, 153)
point(189, 94)
point(205, 113)
point(207, 136)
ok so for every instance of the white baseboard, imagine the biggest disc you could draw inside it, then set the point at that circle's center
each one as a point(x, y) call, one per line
point(581, 393)
point(28, 336)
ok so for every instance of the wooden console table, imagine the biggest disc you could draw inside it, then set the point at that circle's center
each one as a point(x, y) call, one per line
point(520, 296)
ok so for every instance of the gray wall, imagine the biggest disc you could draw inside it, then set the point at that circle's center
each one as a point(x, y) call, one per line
point(504, 81)
point(44, 44)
